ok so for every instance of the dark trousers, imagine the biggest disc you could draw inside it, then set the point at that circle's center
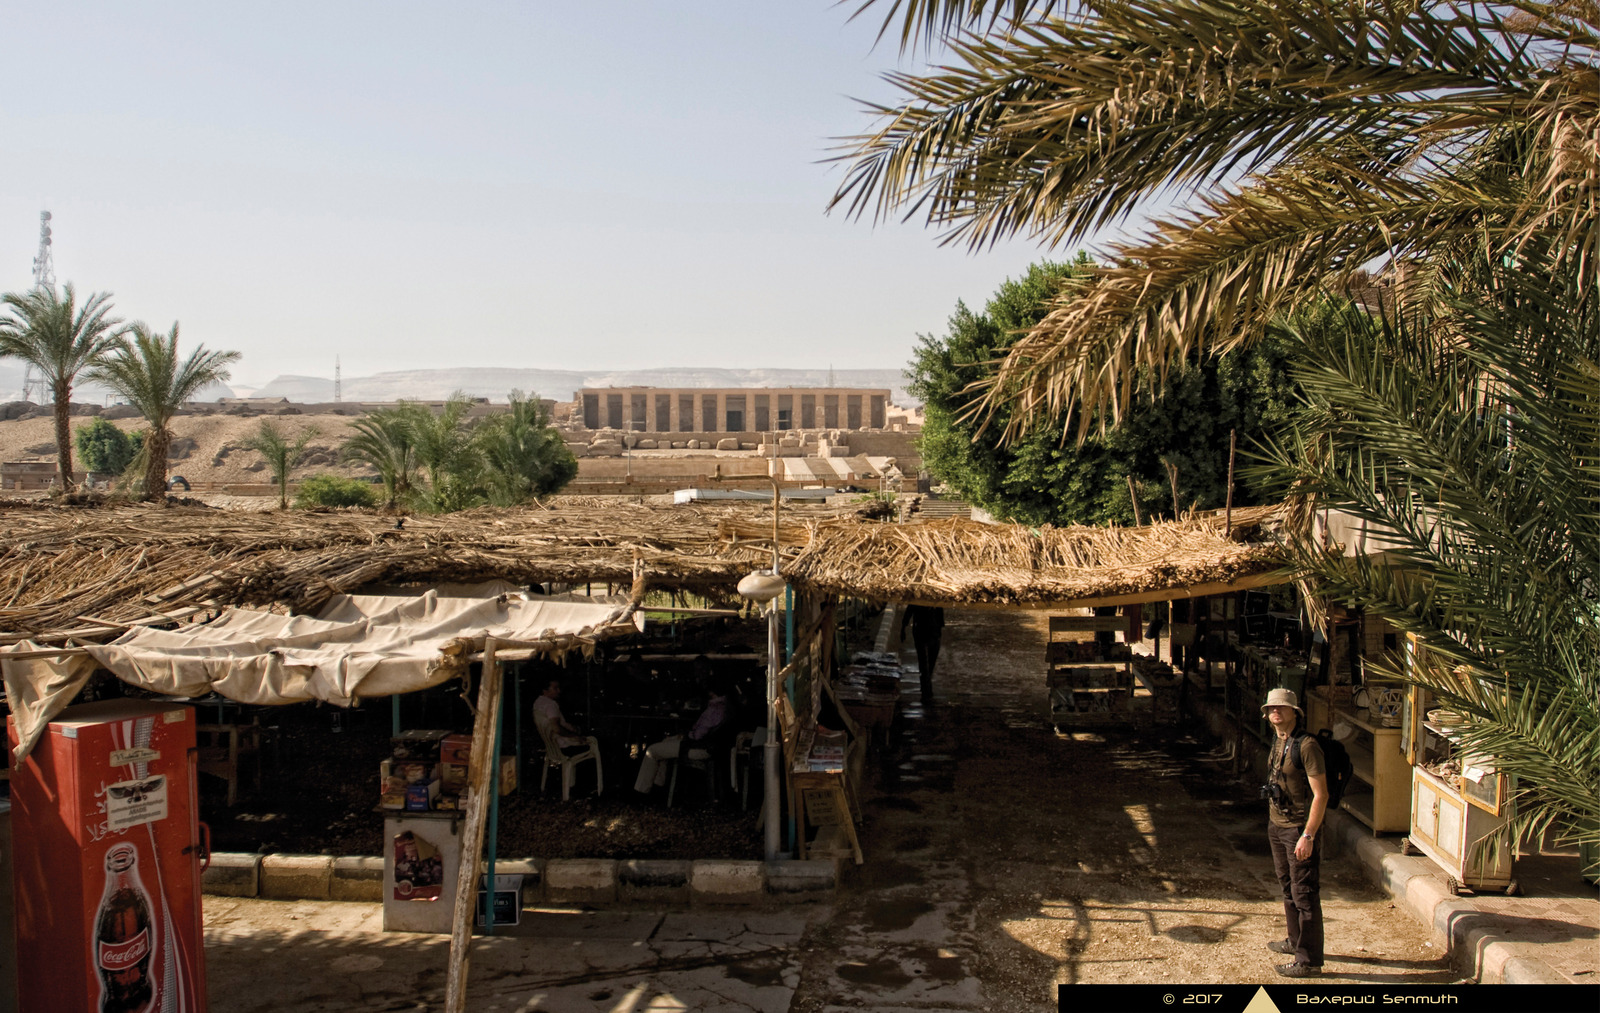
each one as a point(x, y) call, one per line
point(1302, 891)
point(927, 657)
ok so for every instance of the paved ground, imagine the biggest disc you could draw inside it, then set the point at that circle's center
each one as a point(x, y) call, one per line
point(1000, 861)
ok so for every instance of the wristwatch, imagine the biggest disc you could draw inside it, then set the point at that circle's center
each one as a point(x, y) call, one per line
point(1307, 837)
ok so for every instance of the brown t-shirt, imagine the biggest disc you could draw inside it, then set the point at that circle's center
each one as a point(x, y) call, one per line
point(1294, 779)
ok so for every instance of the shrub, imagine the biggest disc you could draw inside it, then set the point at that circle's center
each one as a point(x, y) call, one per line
point(105, 449)
point(333, 491)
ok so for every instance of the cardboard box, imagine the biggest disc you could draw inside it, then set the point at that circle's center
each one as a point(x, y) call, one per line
point(392, 800)
point(420, 797)
point(456, 748)
point(453, 776)
point(508, 774)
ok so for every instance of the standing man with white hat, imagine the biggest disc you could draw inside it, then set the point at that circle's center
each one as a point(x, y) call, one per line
point(1297, 793)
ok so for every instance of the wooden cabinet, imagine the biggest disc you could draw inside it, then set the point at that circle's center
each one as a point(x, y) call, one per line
point(1379, 794)
point(1456, 803)
point(1447, 827)
point(1089, 683)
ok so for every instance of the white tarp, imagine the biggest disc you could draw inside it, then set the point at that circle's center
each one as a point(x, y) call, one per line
point(360, 646)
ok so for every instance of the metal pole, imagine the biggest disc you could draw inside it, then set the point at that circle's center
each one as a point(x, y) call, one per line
point(773, 753)
point(394, 710)
point(516, 681)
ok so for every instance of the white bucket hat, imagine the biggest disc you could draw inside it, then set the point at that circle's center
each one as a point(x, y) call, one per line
point(1282, 698)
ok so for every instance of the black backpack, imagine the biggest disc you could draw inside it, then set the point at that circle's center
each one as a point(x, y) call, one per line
point(1337, 761)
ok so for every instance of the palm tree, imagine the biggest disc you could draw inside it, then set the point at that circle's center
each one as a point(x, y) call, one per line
point(523, 457)
point(1308, 140)
point(386, 440)
point(1470, 439)
point(442, 441)
point(145, 370)
point(60, 339)
point(280, 454)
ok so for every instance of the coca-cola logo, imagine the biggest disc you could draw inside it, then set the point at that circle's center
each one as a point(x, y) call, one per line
point(123, 955)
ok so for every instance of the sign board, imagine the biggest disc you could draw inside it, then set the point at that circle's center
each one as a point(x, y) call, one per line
point(507, 900)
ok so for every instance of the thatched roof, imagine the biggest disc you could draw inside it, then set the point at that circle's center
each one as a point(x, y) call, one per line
point(92, 573)
point(960, 562)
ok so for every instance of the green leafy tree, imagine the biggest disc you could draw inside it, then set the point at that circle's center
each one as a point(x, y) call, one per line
point(1468, 441)
point(523, 456)
point(104, 449)
point(334, 491)
point(281, 455)
point(61, 339)
point(1306, 140)
point(1036, 478)
point(144, 368)
point(386, 441)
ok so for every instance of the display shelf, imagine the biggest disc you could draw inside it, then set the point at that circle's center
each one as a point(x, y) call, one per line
point(1380, 767)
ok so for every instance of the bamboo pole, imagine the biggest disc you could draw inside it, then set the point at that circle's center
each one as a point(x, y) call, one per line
point(1133, 494)
point(478, 786)
point(1227, 522)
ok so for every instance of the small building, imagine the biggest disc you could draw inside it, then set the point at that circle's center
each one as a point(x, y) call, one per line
point(33, 476)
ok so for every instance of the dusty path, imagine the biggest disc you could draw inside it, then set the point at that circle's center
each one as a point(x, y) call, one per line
point(1002, 860)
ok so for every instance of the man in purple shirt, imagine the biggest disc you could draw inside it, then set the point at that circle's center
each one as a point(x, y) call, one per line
point(718, 712)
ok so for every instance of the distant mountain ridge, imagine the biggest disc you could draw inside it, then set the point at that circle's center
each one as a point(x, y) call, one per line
point(559, 384)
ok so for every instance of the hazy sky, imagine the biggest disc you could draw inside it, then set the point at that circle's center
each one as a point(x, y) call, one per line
point(573, 185)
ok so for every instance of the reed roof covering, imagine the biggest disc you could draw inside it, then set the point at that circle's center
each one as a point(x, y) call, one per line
point(92, 573)
point(961, 562)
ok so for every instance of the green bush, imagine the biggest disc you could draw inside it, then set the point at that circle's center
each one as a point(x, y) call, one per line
point(105, 449)
point(333, 491)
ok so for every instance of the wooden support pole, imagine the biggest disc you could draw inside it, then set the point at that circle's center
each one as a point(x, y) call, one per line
point(1133, 494)
point(1227, 522)
point(481, 764)
point(1172, 476)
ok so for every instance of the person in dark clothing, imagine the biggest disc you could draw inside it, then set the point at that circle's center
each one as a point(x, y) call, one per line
point(927, 630)
point(1297, 789)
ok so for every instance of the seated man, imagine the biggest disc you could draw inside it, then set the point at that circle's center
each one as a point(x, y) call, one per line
point(547, 712)
point(717, 716)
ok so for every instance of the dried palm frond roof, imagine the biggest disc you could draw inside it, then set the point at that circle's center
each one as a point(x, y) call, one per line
point(93, 572)
point(950, 562)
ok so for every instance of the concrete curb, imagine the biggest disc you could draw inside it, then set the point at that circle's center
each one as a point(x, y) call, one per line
point(1471, 937)
point(580, 880)
point(591, 882)
point(728, 882)
point(646, 881)
point(232, 875)
point(296, 877)
point(356, 877)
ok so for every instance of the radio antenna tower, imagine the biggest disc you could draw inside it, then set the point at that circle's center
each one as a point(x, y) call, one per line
point(338, 387)
point(44, 265)
point(44, 276)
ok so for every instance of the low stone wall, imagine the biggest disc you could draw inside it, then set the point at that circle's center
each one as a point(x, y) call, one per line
point(591, 882)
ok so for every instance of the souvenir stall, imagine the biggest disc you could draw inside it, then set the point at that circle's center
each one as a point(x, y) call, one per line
point(1460, 804)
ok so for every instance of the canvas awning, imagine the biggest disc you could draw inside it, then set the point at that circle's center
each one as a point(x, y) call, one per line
point(358, 646)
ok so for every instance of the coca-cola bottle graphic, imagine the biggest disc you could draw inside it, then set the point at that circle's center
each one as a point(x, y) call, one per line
point(124, 936)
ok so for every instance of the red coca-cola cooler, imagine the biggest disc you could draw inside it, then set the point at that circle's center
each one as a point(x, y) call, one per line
point(108, 852)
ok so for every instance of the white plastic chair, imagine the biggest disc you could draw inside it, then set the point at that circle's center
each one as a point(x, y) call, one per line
point(554, 757)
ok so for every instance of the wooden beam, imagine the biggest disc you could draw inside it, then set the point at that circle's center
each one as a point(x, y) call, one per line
point(479, 767)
